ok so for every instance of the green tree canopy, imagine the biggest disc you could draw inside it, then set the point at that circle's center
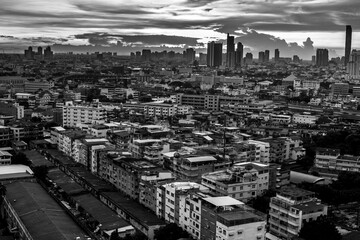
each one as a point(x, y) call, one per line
point(321, 228)
point(170, 232)
point(20, 158)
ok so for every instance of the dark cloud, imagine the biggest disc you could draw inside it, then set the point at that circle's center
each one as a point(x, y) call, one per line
point(107, 39)
point(260, 42)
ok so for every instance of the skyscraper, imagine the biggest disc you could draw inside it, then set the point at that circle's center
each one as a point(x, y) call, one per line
point(48, 54)
point(40, 51)
point(214, 54)
point(322, 57)
point(353, 67)
point(248, 58)
point(239, 54)
point(277, 55)
point(261, 57)
point(230, 51)
point(189, 55)
point(348, 43)
point(267, 56)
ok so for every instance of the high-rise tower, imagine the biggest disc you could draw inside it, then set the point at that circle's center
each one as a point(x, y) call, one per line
point(214, 54)
point(277, 55)
point(239, 54)
point(348, 43)
point(230, 51)
point(322, 57)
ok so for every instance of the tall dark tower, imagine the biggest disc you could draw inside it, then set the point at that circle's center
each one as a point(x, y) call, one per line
point(348, 43)
point(230, 51)
point(239, 54)
point(214, 54)
point(322, 57)
point(277, 55)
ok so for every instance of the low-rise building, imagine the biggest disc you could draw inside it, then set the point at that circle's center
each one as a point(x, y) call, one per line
point(304, 119)
point(289, 209)
point(243, 181)
point(329, 162)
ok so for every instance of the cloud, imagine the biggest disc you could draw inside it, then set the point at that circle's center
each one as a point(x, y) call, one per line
point(63, 18)
point(106, 39)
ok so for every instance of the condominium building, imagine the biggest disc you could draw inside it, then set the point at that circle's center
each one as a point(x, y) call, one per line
point(290, 209)
point(205, 217)
point(33, 86)
point(243, 181)
point(305, 119)
point(340, 88)
point(227, 218)
point(74, 114)
point(160, 109)
point(210, 102)
point(5, 158)
point(263, 148)
point(191, 167)
point(329, 162)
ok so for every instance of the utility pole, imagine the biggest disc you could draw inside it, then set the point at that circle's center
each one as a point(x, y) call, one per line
point(224, 137)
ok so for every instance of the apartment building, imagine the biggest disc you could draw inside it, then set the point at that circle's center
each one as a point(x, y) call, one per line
point(67, 142)
point(88, 150)
point(137, 147)
point(191, 167)
point(206, 217)
point(125, 172)
point(33, 86)
point(304, 119)
point(26, 130)
point(227, 218)
point(169, 197)
point(243, 181)
point(5, 158)
point(210, 102)
point(280, 119)
point(262, 151)
point(74, 114)
point(289, 210)
point(165, 110)
point(329, 162)
point(149, 182)
point(6, 135)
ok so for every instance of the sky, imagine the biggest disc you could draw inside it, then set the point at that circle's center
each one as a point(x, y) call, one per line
point(131, 25)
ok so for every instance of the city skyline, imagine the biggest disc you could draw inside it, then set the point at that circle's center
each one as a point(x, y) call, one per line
point(80, 26)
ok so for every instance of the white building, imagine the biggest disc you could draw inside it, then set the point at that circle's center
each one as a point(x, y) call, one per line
point(289, 209)
point(264, 150)
point(243, 181)
point(304, 119)
point(74, 114)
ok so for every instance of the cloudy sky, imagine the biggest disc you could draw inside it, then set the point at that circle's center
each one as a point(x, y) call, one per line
point(125, 25)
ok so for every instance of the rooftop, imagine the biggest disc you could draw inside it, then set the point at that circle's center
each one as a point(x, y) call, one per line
point(295, 193)
point(201, 159)
point(134, 209)
point(42, 216)
point(106, 217)
point(67, 184)
point(36, 158)
point(14, 169)
point(223, 201)
point(309, 207)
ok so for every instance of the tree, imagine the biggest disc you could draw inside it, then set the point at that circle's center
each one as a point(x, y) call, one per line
point(40, 172)
point(136, 236)
point(170, 231)
point(20, 158)
point(261, 203)
point(115, 235)
point(321, 228)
